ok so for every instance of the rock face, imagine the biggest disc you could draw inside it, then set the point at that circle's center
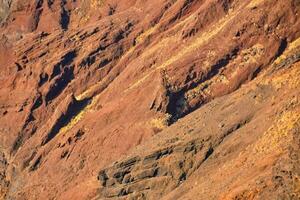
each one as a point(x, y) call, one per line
point(245, 149)
point(160, 99)
point(4, 10)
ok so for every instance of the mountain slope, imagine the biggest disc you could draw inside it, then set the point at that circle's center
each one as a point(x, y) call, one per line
point(85, 82)
point(241, 146)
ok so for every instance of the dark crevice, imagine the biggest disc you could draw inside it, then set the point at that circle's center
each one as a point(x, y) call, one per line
point(102, 177)
point(43, 79)
point(222, 63)
point(37, 103)
point(60, 84)
point(208, 153)
point(103, 63)
point(64, 15)
point(257, 72)
point(36, 164)
point(172, 107)
point(19, 67)
point(56, 71)
point(36, 15)
point(73, 109)
point(174, 97)
point(286, 62)
point(282, 47)
point(112, 10)
point(67, 59)
point(28, 160)
point(17, 143)
point(39, 4)
point(88, 61)
point(65, 19)
point(50, 3)
point(27, 132)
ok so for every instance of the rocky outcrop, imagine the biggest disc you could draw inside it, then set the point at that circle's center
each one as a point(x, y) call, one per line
point(154, 174)
point(205, 147)
point(84, 83)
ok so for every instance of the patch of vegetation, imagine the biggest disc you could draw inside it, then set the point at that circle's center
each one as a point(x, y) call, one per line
point(161, 122)
point(78, 117)
point(278, 135)
point(75, 119)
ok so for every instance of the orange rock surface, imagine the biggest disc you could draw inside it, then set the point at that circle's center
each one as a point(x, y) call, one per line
point(140, 99)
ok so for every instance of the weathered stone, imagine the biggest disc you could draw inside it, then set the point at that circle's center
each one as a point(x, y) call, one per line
point(138, 187)
point(100, 77)
point(147, 173)
point(102, 177)
point(119, 175)
point(129, 162)
point(113, 192)
point(157, 155)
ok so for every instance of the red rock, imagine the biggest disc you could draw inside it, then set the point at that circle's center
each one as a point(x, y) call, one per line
point(119, 72)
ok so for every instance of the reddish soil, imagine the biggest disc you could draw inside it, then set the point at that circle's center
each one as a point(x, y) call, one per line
point(161, 99)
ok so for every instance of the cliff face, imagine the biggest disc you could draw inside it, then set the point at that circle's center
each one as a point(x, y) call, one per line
point(160, 99)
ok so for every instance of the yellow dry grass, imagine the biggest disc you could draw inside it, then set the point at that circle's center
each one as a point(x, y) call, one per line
point(77, 118)
point(85, 94)
point(97, 3)
point(160, 122)
point(192, 46)
point(278, 135)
